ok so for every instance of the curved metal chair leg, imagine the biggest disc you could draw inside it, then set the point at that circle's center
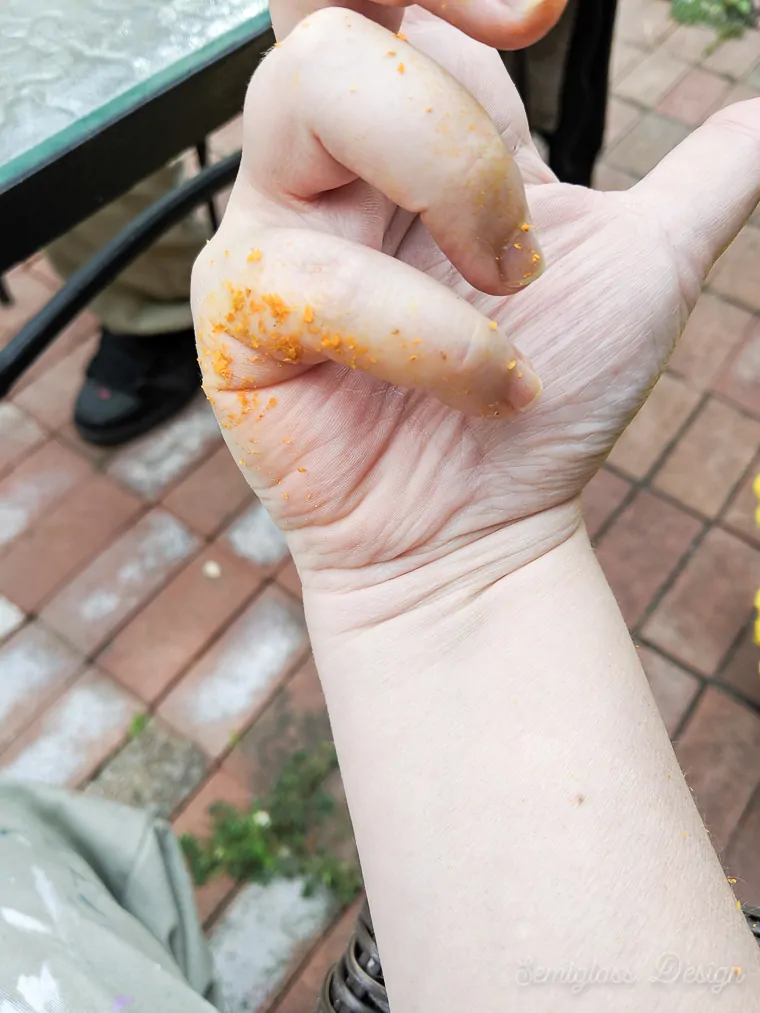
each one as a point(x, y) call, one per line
point(356, 984)
point(752, 914)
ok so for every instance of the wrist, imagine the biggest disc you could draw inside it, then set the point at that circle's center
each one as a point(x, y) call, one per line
point(420, 588)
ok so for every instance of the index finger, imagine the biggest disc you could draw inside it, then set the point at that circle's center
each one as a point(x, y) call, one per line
point(356, 101)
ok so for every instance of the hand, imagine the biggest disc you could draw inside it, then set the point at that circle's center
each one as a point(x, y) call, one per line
point(365, 310)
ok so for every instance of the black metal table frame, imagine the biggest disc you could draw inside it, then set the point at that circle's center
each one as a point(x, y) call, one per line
point(82, 287)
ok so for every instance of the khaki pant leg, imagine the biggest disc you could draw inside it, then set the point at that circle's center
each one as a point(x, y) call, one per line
point(96, 909)
point(151, 296)
point(544, 71)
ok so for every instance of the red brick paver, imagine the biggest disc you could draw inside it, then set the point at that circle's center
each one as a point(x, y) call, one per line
point(739, 380)
point(300, 995)
point(655, 427)
point(710, 458)
point(720, 755)
point(741, 670)
point(739, 514)
point(36, 666)
point(646, 143)
point(166, 636)
point(714, 330)
point(97, 601)
point(673, 687)
point(19, 434)
point(149, 579)
point(37, 484)
point(65, 539)
point(210, 495)
point(737, 271)
point(50, 396)
point(708, 604)
point(225, 688)
point(642, 548)
point(652, 79)
point(695, 96)
point(69, 741)
point(740, 859)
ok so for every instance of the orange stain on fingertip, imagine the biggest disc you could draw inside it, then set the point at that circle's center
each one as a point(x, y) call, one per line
point(493, 325)
point(308, 315)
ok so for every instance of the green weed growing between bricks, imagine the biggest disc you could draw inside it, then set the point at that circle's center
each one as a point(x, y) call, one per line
point(278, 836)
point(728, 17)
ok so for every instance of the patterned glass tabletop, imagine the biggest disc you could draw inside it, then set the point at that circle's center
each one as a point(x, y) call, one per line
point(66, 64)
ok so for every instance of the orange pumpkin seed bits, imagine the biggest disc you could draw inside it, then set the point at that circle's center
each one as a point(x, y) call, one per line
point(276, 325)
point(220, 362)
point(262, 322)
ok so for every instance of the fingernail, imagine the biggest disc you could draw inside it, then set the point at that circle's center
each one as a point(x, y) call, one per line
point(524, 384)
point(521, 260)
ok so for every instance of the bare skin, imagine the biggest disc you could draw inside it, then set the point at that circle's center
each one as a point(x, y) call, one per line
point(377, 373)
point(624, 271)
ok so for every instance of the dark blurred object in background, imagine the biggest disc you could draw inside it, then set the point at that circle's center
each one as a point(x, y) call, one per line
point(563, 82)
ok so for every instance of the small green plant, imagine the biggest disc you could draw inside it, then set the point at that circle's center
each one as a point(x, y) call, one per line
point(138, 725)
point(728, 17)
point(278, 836)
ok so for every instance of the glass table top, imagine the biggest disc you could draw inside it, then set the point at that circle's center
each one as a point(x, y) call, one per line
point(65, 65)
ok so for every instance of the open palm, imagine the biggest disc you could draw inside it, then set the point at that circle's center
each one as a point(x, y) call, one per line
point(373, 407)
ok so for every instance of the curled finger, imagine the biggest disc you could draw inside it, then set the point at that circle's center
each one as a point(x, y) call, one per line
point(355, 101)
point(299, 298)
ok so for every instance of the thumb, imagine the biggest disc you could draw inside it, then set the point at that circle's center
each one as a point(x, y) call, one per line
point(704, 191)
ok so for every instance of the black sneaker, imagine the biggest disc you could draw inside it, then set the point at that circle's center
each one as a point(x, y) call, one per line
point(133, 383)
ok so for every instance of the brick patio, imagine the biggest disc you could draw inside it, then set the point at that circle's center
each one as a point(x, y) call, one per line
point(108, 609)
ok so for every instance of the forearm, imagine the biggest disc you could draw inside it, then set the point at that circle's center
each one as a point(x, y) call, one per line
point(517, 803)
